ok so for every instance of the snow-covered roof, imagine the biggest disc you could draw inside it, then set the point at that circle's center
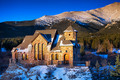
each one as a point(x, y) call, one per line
point(26, 50)
point(22, 50)
point(55, 51)
point(68, 44)
point(47, 34)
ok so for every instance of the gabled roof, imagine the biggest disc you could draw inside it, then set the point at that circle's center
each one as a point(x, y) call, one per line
point(43, 35)
point(50, 31)
point(27, 40)
point(47, 34)
point(70, 29)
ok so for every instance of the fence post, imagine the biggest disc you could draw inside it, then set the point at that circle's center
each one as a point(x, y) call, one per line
point(87, 63)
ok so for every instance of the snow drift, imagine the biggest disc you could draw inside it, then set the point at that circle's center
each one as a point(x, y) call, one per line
point(44, 72)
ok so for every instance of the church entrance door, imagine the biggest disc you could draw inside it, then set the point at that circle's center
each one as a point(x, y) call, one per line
point(66, 59)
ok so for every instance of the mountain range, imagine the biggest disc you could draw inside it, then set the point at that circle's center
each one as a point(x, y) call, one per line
point(99, 21)
point(99, 16)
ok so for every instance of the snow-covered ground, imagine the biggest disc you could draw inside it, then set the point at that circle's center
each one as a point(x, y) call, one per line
point(101, 55)
point(50, 72)
point(116, 50)
point(106, 55)
point(0, 76)
point(3, 50)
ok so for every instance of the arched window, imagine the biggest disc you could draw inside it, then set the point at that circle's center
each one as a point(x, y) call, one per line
point(52, 57)
point(26, 56)
point(56, 56)
point(35, 52)
point(43, 55)
point(66, 58)
point(23, 56)
point(39, 54)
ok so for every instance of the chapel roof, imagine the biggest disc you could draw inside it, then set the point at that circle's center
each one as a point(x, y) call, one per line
point(47, 34)
point(70, 29)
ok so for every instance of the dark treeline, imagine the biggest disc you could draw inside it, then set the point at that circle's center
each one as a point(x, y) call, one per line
point(101, 43)
point(9, 43)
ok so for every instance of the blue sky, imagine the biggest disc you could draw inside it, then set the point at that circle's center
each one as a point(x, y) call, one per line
point(19, 10)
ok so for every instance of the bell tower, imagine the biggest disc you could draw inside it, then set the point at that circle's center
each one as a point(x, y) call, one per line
point(70, 34)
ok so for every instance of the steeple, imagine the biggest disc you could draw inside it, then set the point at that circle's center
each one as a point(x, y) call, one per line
point(70, 29)
point(70, 33)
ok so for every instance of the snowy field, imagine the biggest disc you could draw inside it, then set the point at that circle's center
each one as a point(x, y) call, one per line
point(101, 55)
point(0, 76)
point(3, 50)
point(106, 55)
point(44, 72)
point(116, 50)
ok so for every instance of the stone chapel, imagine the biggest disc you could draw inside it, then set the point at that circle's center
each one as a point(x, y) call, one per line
point(48, 47)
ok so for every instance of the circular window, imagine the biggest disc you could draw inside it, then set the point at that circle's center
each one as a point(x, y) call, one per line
point(66, 51)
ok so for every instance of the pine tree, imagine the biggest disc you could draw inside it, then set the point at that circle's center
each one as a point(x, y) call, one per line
point(116, 71)
point(96, 72)
point(105, 71)
point(82, 52)
point(97, 66)
point(95, 43)
point(106, 45)
point(104, 62)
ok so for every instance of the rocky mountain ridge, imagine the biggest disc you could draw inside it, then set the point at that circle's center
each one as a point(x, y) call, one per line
point(99, 16)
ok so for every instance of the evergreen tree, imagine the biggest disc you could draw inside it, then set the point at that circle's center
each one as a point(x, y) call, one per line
point(96, 71)
point(104, 62)
point(116, 71)
point(106, 45)
point(97, 66)
point(116, 42)
point(99, 48)
point(105, 71)
point(95, 43)
point(82, 52)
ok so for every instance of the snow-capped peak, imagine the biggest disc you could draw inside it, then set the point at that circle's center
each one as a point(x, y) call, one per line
point(98, 16)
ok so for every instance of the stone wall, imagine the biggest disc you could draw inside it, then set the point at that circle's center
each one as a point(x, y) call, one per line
point(69, 36)
point(69, 51)
point(41, 48)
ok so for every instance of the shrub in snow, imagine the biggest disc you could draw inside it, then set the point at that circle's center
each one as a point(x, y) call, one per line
point(50, 70)
point(72, 76)
point(104, 62)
